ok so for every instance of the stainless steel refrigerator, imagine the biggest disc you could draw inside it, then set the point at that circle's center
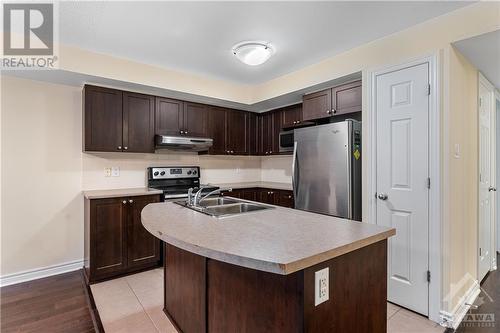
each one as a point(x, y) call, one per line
point(326, 170)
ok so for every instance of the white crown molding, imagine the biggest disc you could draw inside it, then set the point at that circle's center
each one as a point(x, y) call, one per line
point(15, 278)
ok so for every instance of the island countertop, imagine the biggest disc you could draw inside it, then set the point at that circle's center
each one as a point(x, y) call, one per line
point(278, 240)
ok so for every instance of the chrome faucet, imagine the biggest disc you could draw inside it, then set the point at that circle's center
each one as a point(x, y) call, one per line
point(190, 196)
point(198, 198)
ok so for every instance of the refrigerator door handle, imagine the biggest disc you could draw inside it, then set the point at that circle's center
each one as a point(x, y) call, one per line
point(294, 170)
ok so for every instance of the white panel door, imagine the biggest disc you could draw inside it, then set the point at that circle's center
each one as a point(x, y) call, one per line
point(484, 230)
point(402, 116)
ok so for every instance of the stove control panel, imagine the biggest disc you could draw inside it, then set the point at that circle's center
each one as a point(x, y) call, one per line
point(173, 172)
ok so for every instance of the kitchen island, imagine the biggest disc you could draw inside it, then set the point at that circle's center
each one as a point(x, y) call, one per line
point(255, 272)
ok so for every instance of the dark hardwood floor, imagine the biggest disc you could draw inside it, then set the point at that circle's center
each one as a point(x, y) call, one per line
point(53, 304)
point(486, 318)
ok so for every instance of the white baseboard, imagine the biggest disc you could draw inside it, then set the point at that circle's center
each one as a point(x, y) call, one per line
point(454, 318)
point(39, 273)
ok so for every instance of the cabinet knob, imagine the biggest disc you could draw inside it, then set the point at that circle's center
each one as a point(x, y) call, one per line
point(125, 148)
point(298, 121)
point(182, 132)
point(328, 111)
point(232, 151)
point(294, 122)
point(131, 201)
point(334, 111)
point(124, 202)
point(119, 147)
point(185, 132)
point(289, 197)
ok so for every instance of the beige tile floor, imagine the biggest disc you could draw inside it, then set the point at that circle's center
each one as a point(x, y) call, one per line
point(134, 304)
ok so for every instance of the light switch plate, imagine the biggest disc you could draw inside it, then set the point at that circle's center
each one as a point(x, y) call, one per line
point(321, 286)
point(107, 172)
point(115, 172)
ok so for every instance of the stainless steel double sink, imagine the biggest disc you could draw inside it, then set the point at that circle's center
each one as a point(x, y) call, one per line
point(224, 207)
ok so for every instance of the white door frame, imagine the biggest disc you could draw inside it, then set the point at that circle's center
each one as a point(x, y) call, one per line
point(434, 166)
point(496, 232)
point(493, 181)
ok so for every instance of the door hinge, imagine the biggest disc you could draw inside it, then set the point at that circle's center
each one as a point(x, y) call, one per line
point(429, 89)
point(428, 182)
point(429, 276)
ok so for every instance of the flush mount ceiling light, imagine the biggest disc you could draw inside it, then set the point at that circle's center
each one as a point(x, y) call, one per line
point(253, 53)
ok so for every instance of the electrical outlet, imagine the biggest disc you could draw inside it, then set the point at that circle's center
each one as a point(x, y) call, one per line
point(115, 172)
point(321, 286)
point(107, 172)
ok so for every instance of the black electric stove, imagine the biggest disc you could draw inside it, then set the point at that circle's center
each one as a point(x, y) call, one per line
point(176, 181)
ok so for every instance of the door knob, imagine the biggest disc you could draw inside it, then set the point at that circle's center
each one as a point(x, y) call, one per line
point(491, 188)
point(382, 196)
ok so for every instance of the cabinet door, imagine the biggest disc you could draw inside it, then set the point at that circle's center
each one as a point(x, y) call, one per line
point(317, 105)
point(269, 196)
point(143, 248)
point(103, 119)
point(292, 115)
point(169, 116)
point(236, 132)
point(286, 199)
point(195, 120)
point(277, 125)
point(249, 194)
point(267, 133)
point(347, 98)
point(138, 123)
point(252, 137)
point(217, 130)
point(108, 253)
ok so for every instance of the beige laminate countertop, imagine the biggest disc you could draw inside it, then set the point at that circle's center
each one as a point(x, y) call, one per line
point(123, 192)
point(278, 240)
point(271, 185)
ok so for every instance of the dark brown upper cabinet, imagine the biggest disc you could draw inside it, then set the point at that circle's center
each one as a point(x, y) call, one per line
point(138, 123)
point(103, 123)
point(347, 98)
point(169, 116)
point(265, 132)
point(343, 99)
point(317, 105)
point(217, 130)
point(195, 119)
point(252, 135)
point(118, 121)
point(277, 128)
point(236, 132)
point(292, 115)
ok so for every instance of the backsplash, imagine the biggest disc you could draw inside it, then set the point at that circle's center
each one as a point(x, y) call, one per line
point(276, 169)
point(214, 169)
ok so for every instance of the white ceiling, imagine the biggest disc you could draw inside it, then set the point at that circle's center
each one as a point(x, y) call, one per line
point(484, 52)
point(198, 37)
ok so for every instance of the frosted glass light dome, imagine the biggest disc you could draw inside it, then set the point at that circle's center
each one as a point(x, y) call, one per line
point(253, 53)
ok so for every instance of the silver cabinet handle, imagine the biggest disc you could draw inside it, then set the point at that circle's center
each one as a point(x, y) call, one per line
point(185, 132)
point(232, 151)
point(328, 111)
point(334, 111)
point(124, 202)
point(125, 148)
point(131, 201)
point(382, 196)
point(119, 148)
point(491, 188)
point(182, 132)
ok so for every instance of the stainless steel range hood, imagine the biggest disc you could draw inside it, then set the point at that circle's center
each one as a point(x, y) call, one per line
point(183, 143)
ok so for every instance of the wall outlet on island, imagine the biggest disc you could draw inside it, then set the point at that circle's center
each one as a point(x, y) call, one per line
point(107, 172)
point(321, 286)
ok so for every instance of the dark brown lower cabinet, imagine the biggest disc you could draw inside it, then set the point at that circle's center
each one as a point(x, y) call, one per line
point(116, 243)
point(206, 295)
point(282, 198)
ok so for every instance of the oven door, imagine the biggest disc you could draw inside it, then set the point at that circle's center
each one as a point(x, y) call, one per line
point(286, 141)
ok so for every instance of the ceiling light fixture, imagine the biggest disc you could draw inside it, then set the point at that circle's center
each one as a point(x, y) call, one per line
point(253, 53)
